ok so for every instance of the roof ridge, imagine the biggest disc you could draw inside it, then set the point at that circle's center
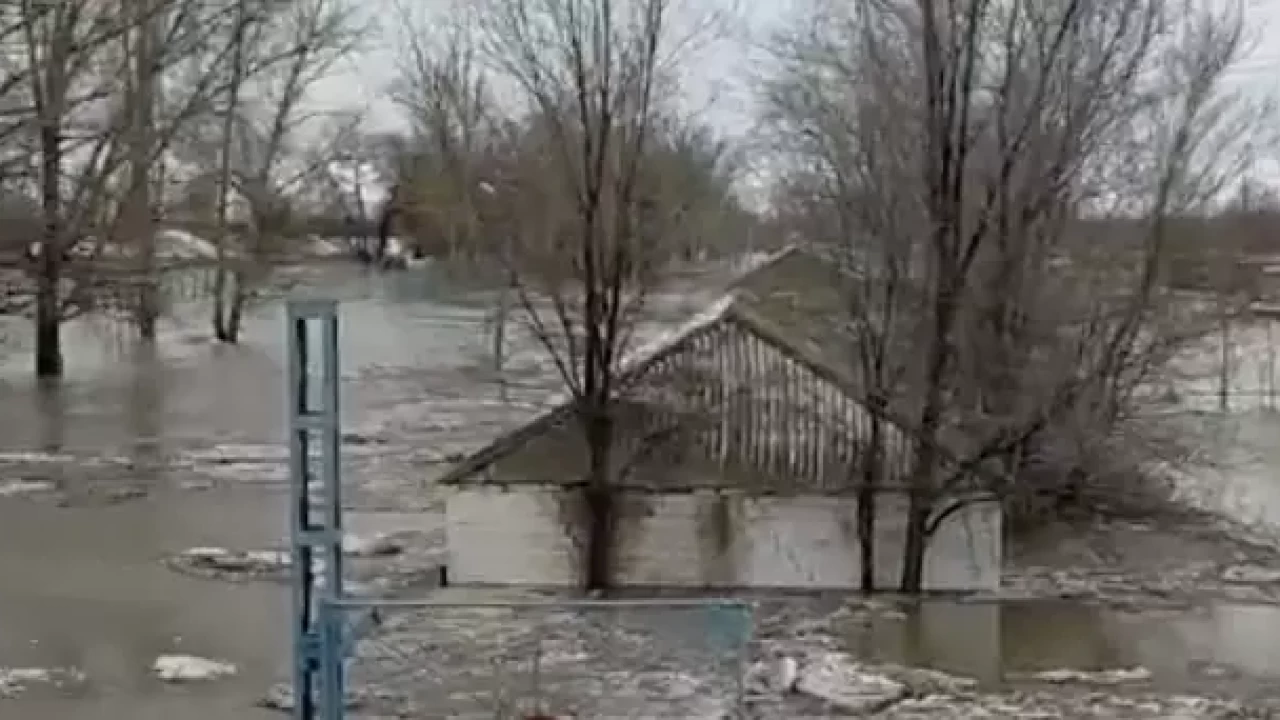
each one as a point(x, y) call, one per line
point(728, 307)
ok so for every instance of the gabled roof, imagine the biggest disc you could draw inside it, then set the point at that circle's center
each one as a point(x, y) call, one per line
point(799, 289)
point(734, 308)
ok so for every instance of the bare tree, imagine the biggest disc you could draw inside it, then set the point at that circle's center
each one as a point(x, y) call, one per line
point(90, 130)
point(72, 71)
point(445, 93)
point(1231, 278)
point(585, 254)
point(348, 184)
point(238, 42)
point(279, 51)
point(1000, 178)
point(56, 39)
point(142, 79)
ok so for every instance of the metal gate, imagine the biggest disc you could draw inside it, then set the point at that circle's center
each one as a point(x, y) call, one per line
point(451, 656)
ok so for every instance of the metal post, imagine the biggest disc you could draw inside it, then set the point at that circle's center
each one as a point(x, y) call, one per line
point(315, 510)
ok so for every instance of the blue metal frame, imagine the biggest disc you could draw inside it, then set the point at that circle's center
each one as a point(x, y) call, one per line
point(315, 511)
point(321, 633)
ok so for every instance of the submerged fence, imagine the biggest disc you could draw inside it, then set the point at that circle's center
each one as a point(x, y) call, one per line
point(669, 658)
point(497, 660)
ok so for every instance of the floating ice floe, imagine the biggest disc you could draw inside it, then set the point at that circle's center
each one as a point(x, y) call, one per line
point(836, 680)
point(1117, 676)
point(280, 697)
point(776, 676)
point(189, 668)
point(14, 680)
point(32, 456)
point(13, 488)
point(219, 558)
point(1250, 574)
point(227, 564)
point(378, 545)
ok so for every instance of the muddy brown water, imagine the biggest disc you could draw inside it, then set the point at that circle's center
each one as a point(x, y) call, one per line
point(85, 589)
point(1008, 643)
point(83, 582)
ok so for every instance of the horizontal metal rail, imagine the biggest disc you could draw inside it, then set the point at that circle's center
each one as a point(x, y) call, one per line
point(351, 603)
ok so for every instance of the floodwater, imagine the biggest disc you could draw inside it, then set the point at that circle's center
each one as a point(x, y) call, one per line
point(1221, 646)
point(85, 589)
point(138, 455)
point(151, 454)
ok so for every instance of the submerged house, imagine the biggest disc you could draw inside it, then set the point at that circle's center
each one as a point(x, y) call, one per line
point(737, 449)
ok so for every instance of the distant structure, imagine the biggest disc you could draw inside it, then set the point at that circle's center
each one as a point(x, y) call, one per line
point(744, 438)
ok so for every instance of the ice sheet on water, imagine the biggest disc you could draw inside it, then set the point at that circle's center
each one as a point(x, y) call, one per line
point(35, 456)
point(423, 662)
point(13, 681)
point(838, 680)
point(12, 488)
point(188, 668)
point(1116, 676)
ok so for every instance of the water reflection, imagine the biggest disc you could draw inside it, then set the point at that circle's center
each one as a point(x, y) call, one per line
point(995, 642)
point(49, 416)
point(144, 406)
point(85, 590)
point(188, 390)
point(84, 584)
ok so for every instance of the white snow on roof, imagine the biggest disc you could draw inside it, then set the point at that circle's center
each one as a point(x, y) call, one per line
point(173, 244)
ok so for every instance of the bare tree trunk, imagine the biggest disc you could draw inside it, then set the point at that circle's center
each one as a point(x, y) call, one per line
point(140, 223)
point(920, 502)
point(600, 503)
point(1225, 360)
point(867, 506)
point(49, 280)
point(499, 350)
point(223, 279)
point(49, 88)
point(917, 543)
point(589, 247)
point(235, 311)
point(1271, 365)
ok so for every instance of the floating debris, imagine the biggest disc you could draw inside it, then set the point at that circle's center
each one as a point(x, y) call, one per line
point(189, 668)
point(1250, 575)
point(216, 563)
point(838, 682)
point(381, 545)
point(280, 697)
point(13, 488)
point(1118, 676)
point(13, 681)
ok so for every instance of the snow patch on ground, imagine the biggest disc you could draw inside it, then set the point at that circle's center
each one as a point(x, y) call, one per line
point(188, 668)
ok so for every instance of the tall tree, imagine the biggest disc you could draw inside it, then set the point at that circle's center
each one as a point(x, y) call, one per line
point(961, 157)
point(444, 91)
point(91, 130)
point(592, 76)
point(279, 51)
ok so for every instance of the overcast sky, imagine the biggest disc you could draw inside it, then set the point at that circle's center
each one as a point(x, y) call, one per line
point(720, 77)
